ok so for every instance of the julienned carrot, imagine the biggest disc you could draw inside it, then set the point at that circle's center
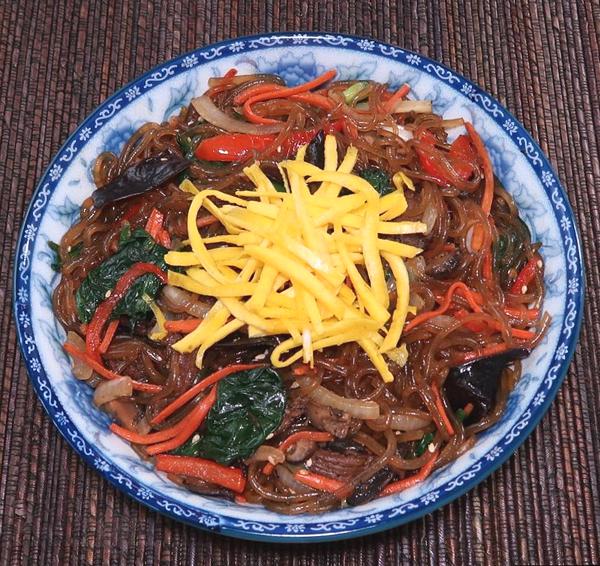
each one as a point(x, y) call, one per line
point(207, 470)
point(105, 372)
point(206, 221)
point(484, 352)
point(190, 425)
point(488, 175)
point(199, 387)
point(478, 326)
point(282, 93)
point(487, 266)
point(183, 326)
point(313, 435)
point(423, 317)
point(314, 99)
point(108, 336)
point(398, 95)
point(410, 481)
point(488, 190)
point(441, 409)
point(145, 439)
point(254, 90)
point(317, 481)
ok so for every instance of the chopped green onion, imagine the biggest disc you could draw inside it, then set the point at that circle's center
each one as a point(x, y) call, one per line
point(353, 91)
point(278, 186)
point(460, 415)
point(423, 444)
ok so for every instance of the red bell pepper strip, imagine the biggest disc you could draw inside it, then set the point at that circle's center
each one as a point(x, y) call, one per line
point(207, 470)
point(154, 227)
point(105, 372)
point(237, 147)
point(525, 276)
point(103, 311)
point(459, 156)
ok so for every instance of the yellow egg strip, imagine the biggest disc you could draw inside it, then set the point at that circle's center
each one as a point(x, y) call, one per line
point(287, 260)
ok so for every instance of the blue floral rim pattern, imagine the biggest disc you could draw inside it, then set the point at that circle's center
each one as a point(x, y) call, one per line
point(320, 528)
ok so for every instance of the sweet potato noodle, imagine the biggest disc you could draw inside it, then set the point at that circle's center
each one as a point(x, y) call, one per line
point(326, 431)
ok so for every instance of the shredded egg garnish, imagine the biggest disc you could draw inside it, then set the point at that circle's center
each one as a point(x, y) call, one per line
point(307, 263)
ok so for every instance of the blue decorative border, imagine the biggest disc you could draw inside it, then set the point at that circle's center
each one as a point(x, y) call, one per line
point(319, 530)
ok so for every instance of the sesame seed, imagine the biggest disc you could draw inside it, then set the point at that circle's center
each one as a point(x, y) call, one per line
point(540, 263)
point(195, 438)
point(524, 289)
point(269, 436)
point(303, 472)
point(309, 462)
point(431, 447)
point(108, 294)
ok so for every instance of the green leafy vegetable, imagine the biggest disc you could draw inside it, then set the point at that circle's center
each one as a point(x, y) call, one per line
point(249, 407)
point(56, 264)
point(378, 178)
point(509, 247)
point(133, 247)
point(279, 187)
point(422, 445)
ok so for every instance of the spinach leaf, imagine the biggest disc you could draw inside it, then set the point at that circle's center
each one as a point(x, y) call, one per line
point(249, 407)
point(379, 179)
point(56, 264)
point(133, 247)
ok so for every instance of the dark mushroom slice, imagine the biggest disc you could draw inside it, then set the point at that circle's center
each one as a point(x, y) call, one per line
point(478, 382)
point(141, 177)
point(371, 488)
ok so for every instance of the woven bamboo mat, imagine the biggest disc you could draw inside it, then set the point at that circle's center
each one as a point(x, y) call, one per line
point(59, 59)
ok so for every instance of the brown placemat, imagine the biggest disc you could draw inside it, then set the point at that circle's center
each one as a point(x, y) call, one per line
point(59, 59)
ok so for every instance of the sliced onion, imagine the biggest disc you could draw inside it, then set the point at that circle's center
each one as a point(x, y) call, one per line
point(108, 391)
point(416, 268)
point(429, 218)
point(408, 420)
point(209, 111)
point(417, 301)
point(469, 239)
point(420, 106)
point(400, 131)
point(80, 369)
point(182, 301)
point(354, 407)
point(266, 453)
point(453, 123)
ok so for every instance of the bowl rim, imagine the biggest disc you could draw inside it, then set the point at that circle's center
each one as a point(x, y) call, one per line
point(223, 524)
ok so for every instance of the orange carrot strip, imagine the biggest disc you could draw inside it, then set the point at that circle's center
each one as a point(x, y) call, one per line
point(313, 99)
point(254, 90)
point(110, 334)
point(487, 266)
point(423, 317)
point(313, 435)
point(206, 221)
point(488, 189)
point(207, 470)
point(144, 439)
point(184, 326)
point(282, 93)
point(105, 372)
point(154, 223)
point(317, 481)
point(398, 95)
point(199, 387)
point(401, 485)
point(442, 409)
point(490, 350)
point(191, 423)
